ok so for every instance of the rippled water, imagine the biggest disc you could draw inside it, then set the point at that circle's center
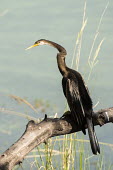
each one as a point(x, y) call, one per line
point(34, 74)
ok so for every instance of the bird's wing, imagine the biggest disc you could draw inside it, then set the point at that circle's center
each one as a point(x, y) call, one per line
point(86, 87)
point(74, 101)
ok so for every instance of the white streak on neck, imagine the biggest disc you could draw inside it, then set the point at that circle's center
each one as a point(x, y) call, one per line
point(107, 115)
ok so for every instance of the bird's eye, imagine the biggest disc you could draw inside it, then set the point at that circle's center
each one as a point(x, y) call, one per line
point(36, 42)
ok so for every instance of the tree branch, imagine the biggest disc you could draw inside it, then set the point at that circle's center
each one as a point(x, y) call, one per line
point(37, 133)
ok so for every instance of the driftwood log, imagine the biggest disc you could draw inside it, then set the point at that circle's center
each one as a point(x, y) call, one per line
point(37, 133)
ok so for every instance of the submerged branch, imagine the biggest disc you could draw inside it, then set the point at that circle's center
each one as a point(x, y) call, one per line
point(37, 133)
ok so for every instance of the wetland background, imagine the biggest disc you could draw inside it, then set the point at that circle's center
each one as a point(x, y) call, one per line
point(34, 76)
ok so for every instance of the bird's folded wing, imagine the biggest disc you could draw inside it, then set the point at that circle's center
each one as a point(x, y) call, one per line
point(74, 101)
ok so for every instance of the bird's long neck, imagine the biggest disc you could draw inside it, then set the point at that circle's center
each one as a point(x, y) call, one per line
point(61, 63)
point(60, 57)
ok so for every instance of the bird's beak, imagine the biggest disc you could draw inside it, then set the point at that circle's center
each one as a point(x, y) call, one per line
point(32, 46)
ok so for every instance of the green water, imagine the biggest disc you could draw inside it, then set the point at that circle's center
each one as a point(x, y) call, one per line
point(34, 73)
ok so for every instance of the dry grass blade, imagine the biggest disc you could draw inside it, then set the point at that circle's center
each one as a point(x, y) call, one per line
point(79, 41)
point(78, 44)
point(53, 150)
point(4, 12)
point(5, 131)
point(96, 105)
point(96, 35)
point(18, 114)
point(82, 140)
point(42, 155)
point(94, 60)
point(20, 100)
point(97, 51)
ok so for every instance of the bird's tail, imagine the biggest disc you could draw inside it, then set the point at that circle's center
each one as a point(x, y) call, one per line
point(92, 136)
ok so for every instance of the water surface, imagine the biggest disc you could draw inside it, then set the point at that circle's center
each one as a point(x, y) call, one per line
point(34, 74)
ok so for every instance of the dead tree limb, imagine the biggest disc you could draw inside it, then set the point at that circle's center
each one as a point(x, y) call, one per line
point(37, 133)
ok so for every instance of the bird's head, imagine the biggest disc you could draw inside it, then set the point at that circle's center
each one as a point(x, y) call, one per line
point(37, 43)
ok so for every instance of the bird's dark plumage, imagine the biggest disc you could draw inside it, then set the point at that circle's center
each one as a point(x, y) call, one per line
point(80, 105)
point(76, 93)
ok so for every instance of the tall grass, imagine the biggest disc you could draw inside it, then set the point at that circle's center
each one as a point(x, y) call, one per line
point(68, 154)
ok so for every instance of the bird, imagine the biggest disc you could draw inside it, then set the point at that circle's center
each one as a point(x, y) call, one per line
point(76, 93)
